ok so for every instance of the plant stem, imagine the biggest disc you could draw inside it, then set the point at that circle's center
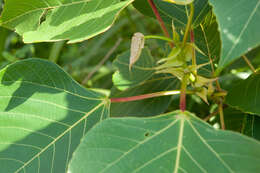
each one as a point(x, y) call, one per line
point(221, 115)
point(183, 93)
point(188, 26)
point(249, 63)
point(110, 52)
point(55, 51)
point(158, 37)
point(210, 115)
point(157, 14)
point(192, 40)
point(146, 96)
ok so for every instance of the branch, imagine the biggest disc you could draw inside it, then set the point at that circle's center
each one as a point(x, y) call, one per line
point(157, 14)
point(110, 52)
point(249, 64)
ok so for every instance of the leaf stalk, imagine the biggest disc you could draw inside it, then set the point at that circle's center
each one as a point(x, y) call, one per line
point(188, 26)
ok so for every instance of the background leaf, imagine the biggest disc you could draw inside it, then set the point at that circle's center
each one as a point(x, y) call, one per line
point(175, 142)
point(172, 12)
point(239, 27)
point(252, 126)
point(140, 71)
point(48, 20)
point(207, 38)
point(248, 93)
point(43, 116)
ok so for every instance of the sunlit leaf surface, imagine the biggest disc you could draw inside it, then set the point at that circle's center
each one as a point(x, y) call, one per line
point(172, 143)
point(43, 116)
point(49, 20)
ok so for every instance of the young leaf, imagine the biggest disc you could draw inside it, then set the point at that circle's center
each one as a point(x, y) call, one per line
point(239, 27)
point(48, 20)
point(175, 142)
point(44, 114)
point(137, 46)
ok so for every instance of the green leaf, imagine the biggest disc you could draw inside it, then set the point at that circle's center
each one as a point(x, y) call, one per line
point(175, 142)
point(239, 27)
point(140, 71)
point(48, 20)
point(207, 38)
point(248, 93)
point(44, 114)
point(172, 12)
point(147, 107)
point(252, 126)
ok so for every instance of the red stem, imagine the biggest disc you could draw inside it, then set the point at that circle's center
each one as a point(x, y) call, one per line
point(183, 101)
point(183, 93)
point(192, 36)
point(144, 96)
point(156, 13)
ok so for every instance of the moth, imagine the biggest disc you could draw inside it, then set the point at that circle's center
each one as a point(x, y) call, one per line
point(137, 44)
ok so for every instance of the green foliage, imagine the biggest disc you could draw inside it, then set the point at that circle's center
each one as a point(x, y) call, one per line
point(147, 107)
point(250, 89)
point(175, 142)
point(51, 123)
point(140, 71)
point(252, 126)
point(44, 114)
point(60, 20)
point(239, 27)
point(173, 12)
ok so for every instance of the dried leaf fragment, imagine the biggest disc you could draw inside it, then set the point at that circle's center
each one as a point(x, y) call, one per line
point(137, 44)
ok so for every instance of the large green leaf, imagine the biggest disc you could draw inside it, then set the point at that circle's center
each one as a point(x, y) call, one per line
point(147, 107)
point(175, 142)
point(48, 20)
point(177, 13)
point(140, 71)
point(245, 95)
point(239, 27)
point(43, 116)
